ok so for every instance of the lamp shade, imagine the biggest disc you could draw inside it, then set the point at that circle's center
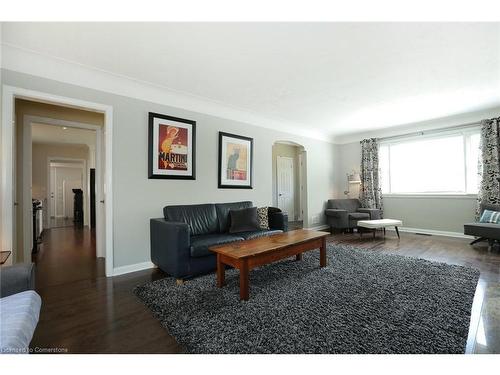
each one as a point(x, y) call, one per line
point(354, 178)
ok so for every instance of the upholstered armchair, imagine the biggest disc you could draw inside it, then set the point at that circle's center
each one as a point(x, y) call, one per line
point(344, 214)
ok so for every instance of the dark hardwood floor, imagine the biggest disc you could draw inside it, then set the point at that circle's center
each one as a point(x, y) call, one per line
point(85, 312)
point(292, 225)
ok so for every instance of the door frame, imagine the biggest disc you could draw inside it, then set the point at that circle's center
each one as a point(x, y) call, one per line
point(302, 189)
point(97, 152)
point(82, 164)
point(278, 157)
point(9, 94)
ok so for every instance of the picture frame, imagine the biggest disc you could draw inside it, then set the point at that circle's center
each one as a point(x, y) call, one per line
point(235, 167)
point(172, 147)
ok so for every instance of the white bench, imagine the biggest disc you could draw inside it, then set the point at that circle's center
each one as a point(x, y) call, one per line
point(379, 224)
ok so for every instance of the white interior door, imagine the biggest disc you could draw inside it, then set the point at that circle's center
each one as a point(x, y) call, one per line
point(285, 185)
point(301, 171)
point(66, 177)
point(59, 198)
point(100, 195)
point(52, 195)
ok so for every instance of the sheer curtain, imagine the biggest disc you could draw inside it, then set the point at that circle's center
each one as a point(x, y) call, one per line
point(488, 165)
point(370, 193)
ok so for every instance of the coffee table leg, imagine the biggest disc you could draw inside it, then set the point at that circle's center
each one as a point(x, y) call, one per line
point(322, 253)
point(221, 272)
point(298, 256)
point(397, 231)
point(244, 281)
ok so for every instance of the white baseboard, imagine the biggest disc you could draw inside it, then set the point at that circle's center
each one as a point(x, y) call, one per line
point(432, 232)
point(413, 230)
point(319, 227)
point(132, 268)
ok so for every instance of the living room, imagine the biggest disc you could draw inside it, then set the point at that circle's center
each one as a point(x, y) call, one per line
point(257, 187)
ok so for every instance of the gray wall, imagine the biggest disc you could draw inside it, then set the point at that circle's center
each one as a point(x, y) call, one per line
point(435, 213)
point(136, 199)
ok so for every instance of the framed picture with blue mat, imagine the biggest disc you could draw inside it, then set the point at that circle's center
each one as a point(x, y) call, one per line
point(235, 161)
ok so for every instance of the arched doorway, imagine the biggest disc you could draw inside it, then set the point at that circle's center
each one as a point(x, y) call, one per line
point(289, 168)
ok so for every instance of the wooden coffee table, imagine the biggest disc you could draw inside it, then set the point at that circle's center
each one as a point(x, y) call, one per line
point(249, 254)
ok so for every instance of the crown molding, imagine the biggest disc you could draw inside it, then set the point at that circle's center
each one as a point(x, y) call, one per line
point(33, 63)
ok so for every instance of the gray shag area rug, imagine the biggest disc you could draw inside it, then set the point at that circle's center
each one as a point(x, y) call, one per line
point(362, 302)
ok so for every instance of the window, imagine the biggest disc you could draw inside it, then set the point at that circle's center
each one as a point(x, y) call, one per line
point(443, 164)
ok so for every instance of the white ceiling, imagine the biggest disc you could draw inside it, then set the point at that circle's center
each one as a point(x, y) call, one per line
point(42, 133)
point(330, 78)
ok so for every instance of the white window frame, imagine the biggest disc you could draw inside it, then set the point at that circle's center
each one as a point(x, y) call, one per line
point(465, 133)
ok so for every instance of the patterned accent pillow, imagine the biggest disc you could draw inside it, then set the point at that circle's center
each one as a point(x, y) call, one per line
point(489, 216)
point(263, 218)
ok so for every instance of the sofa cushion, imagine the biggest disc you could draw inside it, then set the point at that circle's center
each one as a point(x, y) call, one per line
point(19, 315)
point(200, 244)
point(359, 216)
point(487, 230)
point(201, 218)
point(263, 216)
point(258, 233)
point(244, 220)
point(223, 213)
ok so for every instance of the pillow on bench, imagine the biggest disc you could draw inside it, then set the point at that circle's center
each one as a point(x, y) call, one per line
point(489, 216)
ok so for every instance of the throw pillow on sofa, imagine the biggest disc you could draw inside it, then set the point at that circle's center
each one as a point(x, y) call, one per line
point(263, 217)
point(244, 220)
point(489, 216)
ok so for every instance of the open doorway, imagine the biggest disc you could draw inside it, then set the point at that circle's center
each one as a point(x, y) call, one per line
point(56, 148)
point(66, 179)
point(16, 168)
point(290, 182)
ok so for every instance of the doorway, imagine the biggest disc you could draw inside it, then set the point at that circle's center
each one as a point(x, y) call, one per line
point(285, 180)
point(16, 228)
point(64, 176)
point(289, 182)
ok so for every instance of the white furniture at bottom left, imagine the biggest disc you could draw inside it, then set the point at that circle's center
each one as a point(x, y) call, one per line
point(19, 308)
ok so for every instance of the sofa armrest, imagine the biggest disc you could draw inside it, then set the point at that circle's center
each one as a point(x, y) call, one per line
point(278, 220)
point(16, 279)
point(337, 218)
point(170, 243)
point(374, 212)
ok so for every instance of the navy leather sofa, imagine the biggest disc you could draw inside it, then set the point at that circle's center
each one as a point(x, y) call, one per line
point(180, 240)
